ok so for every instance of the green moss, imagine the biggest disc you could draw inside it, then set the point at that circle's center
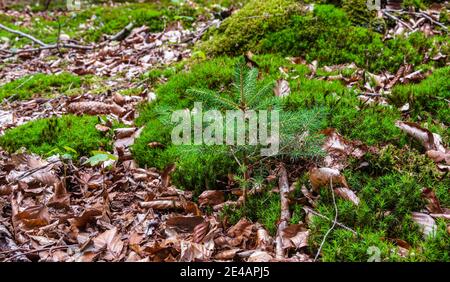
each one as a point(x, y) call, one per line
point(243, 30)
point(327, 34)
point(357, 11)
point(105, 20)
point(39, 85)
point(429, 98)
point(44, 135)
point(372, 124)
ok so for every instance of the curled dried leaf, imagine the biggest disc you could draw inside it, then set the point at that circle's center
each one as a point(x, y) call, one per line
point(347, 194)
point(211, 198)
point(321, 177)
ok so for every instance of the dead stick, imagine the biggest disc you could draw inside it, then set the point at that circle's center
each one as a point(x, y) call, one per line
point(36, 251)
point(23, 35)
point(396, 19)
point(285, 216)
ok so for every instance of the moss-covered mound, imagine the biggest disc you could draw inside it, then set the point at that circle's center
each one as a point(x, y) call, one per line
point(52, 135)
point(327, 34)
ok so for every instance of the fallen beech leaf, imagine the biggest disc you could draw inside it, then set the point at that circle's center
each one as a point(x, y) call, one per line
point(86, 217)
point(260, 256)
point(426, 223)
point(165, 176)
point(110, 240)
point(102, 128)
point(263, 240)
point(282, 88)
point(211, 198)
point(35, 216)
point(196, 252)
point(200, 231)
point(61, 199)
point(125, 138)
point(438, 156)
point(321, 177)
point(295, 236)
point(242, 228)
point(184, 223)
point(118, 99)
point(431, 141)
point(347, 194)
point(5, 190)
point(121, 133)
point(433, 205)
point(227, 254)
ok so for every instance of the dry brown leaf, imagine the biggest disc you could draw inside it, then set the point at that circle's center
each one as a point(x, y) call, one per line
point(111, 242)
point(347, 194)
point(5, 190)
point(102, 128)
point(184, 223)
point(119, 99)
point(227, 254)
point(321, 177)
point(438, 156)
point(260, 256)
point(295, 236)
point(200, 232)
point(88, 216)
point(242, 228)
point(191, 251)
point(433, 205)
point(431, 141)
point(60, 199)
point(35, 216)
point(211, 198)
point(263, 240)
point(282, 88)
point(426, 223)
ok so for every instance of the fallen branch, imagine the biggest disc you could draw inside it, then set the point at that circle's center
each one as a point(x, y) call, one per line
point(23, 35)
point(121, 35)
point(285, 216)
point(428, 17)
point(43, 45)
point(386, 13)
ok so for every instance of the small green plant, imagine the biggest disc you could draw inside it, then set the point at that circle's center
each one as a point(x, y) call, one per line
point(100, 157)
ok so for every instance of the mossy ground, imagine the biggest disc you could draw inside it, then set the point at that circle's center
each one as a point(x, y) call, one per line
point(326, 34)
point(389, 186)
point(42, 85)
point(96, 21)
point(50, 135)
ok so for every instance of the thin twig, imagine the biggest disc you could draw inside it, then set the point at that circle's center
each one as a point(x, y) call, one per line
point(32, 171)
point(396, 19)
point(23, 35)
point(334, 222)
point(36, 251)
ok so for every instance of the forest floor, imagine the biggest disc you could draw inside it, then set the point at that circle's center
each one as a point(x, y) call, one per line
point(88, 171)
